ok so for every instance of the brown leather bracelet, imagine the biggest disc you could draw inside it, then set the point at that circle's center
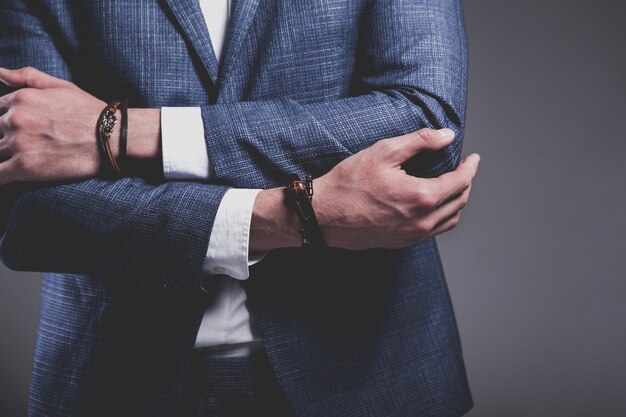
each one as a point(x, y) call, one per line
point(106, 124)
point(300, 194)
point(121, 157)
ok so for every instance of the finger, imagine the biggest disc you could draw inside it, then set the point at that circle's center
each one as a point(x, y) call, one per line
point(401, 148)
point(7, 173)
point(5, 154)
point(3, 124)
point(32, 78)
point(5, 103)
point(447, 224)
point(5, 89)
point(455, 182)
point(5, 151)
point(452, 206)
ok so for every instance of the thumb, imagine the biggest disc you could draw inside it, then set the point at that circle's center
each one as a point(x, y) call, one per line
point(29, 77)
point(406, 146)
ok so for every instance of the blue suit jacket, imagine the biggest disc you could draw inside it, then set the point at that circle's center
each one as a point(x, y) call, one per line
point(303, 85)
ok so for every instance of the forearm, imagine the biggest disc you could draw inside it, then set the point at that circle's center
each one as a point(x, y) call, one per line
point(389, 210)
point(126, 228)
point(253, 144)
point(256, 144)
point(144, 133)
point(144, 158)
point(274, 225)
point(336, 130)
point(406, 77)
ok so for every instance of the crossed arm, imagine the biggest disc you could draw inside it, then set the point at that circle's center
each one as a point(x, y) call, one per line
point(408, 79)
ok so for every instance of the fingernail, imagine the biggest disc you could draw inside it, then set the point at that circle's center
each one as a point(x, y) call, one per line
point(447, 133)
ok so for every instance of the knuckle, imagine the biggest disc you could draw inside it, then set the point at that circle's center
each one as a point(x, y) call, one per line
point(426, 197)
point(426, 135)
point(11, 119)
point(385, 145)
point(19, 144)
point(27, 72)
point(23, 163)
point(428, 201)
point(423, 226)
point(22, 96)
point(29, 165)
point(13, 143)
point(422, 188)
point(15, 120)
point(8, 143)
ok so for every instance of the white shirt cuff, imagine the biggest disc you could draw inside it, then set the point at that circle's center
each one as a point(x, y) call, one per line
point(183, 145)
point(228, 247)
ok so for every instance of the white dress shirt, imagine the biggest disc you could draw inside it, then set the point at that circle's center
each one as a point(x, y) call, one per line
point(226, 326)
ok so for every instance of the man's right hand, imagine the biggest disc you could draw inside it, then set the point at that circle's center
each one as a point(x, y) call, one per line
point(368, 200)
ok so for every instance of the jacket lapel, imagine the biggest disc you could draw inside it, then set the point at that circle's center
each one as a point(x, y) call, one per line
point(189, 15)
point(241, 17)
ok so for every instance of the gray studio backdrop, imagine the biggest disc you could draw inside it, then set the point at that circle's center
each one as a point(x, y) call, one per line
point(536, 269)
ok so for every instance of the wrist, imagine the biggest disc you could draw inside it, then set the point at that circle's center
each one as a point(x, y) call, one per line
point(323, 208)
point(114, 141)
point(144, 134)
point(299, 194)
point(274, 224)
point(143, 149)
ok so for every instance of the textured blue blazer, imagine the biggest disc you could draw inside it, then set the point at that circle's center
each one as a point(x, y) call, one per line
point(303, 85)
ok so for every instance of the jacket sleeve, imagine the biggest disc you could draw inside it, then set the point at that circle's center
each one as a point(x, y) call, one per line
point(411, 73)
point(154, 233)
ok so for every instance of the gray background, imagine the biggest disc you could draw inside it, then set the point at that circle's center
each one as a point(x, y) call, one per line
point(536, 267)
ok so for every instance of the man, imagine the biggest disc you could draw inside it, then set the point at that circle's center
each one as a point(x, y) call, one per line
point(139, 272)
